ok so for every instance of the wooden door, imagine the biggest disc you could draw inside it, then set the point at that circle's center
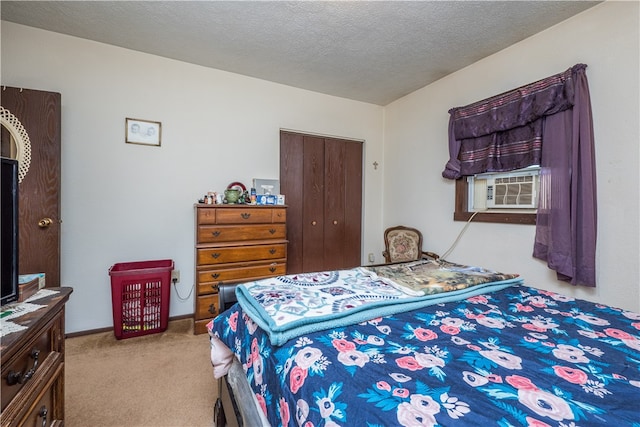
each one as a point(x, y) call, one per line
point(313, 200)
point(321, 179)
point(351, 242)
point(40, 113)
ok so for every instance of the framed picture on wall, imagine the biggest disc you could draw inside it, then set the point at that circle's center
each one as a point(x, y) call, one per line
point(143, 132)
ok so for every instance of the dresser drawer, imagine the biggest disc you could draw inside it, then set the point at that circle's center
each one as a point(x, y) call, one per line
point(200, 326)
point(42, 413)
point(239, 233)
point(238, 214)
point(278, 215)
point(225, 255)
point(43, 386)
point(209, 280)
point(27, 362)
point(244, 216)
point(207, 306)
point(206, 216)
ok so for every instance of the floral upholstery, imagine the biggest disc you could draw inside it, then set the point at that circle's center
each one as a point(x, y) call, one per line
point(403, 244)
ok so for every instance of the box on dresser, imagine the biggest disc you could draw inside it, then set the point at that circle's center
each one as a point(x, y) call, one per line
point(235, 244)
point(29, 284)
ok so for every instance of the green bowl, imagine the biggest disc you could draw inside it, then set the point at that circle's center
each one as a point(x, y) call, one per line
point(232, 195)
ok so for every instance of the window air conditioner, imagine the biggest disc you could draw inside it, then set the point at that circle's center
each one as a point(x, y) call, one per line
point(513, 190)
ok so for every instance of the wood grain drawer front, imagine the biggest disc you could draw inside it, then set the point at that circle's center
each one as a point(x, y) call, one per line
point(244, 216)
point(207, 306)
point(42, 385)
point(206, 216)
point(212, 256)
point(279, 215)
point(42, 412)
point(21, 369)
point(209, 280)
point(200, 326)
point(235, 233)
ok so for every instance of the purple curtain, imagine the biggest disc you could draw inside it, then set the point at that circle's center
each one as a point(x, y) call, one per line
point(566, 224)
point(547, 123)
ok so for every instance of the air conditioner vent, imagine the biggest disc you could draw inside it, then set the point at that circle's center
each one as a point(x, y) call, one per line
point(512, 191)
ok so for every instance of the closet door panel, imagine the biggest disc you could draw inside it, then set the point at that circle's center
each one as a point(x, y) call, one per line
point(291, 185)
point(334, 203)
point(313, 226)
point(352, 241)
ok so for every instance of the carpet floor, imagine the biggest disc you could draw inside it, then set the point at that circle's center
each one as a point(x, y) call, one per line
point(157, 380)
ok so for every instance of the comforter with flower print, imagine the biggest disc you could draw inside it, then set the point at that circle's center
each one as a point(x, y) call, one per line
point(518, 356)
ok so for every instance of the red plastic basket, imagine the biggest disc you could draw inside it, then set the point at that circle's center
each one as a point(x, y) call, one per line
point(140, 297)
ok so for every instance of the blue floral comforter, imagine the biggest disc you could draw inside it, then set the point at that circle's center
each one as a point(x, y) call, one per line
point(514, 357)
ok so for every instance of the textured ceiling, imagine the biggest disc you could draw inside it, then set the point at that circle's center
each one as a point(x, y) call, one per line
point(374, 52)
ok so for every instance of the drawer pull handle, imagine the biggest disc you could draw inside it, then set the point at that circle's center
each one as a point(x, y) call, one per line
point(215, 233)
point(20, 378)
point(215, 255)
point(215, 275)
point(272, 269)
point(43, 413)
point(212, 309)
point(214, 286)
point(272, 251)
point(272, 230)
point(245, 215)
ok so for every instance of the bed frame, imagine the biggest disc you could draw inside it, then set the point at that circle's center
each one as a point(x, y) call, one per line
point(228, 411)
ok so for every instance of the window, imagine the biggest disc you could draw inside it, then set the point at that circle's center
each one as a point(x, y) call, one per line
point(502, 197)
point(507, 132)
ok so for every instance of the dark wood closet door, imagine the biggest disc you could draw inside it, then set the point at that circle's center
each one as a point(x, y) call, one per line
point(322, 181)
point(334, 203)
point(352, 230)
point(291, 185)
point(40, 113)
point(313, 200)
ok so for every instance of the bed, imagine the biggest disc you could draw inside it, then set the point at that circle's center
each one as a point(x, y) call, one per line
point(490, 352)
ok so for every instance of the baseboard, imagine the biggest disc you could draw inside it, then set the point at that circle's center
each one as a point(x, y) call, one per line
point(110, 329)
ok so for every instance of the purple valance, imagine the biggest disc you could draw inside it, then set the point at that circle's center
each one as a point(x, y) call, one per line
point(504, 132)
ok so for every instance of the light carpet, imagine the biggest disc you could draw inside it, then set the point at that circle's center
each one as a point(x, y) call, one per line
point(162, 379)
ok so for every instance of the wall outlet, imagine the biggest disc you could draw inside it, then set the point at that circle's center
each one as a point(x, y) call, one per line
point(175, 276)
point(372, 258)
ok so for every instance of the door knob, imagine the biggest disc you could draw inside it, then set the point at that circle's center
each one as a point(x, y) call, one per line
point(313, 222)
point(45, 222)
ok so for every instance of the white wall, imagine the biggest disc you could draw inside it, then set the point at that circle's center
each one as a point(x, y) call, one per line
point(606, 38)
point(124, 202)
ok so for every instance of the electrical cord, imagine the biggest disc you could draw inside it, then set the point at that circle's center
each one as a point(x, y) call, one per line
point(175, 287)
point(455, 242)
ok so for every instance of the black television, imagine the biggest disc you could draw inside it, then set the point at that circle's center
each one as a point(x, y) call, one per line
point(9, 230)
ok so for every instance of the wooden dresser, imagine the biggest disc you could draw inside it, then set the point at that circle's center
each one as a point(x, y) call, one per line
point(235, 244)
point(33, 365)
